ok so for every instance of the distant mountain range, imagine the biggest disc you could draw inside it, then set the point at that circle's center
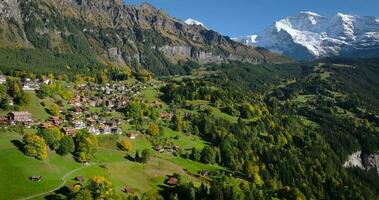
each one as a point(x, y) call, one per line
point(308, 36)
point(112, 33)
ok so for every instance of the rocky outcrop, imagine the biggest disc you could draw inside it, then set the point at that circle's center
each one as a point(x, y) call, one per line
point(363, 161)
point(12, 25)
point(371, 162)
point(354, 160)
point(176, 51)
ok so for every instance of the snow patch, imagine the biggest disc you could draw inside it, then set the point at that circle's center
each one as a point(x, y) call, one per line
point(193, 22)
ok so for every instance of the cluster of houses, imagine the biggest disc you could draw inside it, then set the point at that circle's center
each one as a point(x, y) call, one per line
point(87, 97)
point(28, 84)
point(112, 96)
point(166, 148)
point(34, 84)
point(83, 120)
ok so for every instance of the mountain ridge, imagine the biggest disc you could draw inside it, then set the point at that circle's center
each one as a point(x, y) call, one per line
point(114, 33)
point(308, 36)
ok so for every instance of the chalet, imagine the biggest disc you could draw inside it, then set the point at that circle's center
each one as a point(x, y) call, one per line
point(104, 129)
point(165, 116)
point(116, 130)
point(56, 120)
point(47, 81)
point(76, 101)
point(157, 104)
point(79, 125)
point(132, 135)
point(30, 86)
point(35, 178)
point(20, 117)
point(113, 123)
point(93, 130)
point(46, 125)
point(91, 103)
point(176, 147)
point(79, 178)
point(159, 148)
point(172, 181)
point(77, 111)
point(3, 79)
point(204, 173)
point(127, 190)
point(91, 121)
point(109, 103)
point(4, 121)
point(69, 131)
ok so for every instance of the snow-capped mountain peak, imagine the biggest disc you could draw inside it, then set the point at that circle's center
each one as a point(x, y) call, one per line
point(194, 22)
point(309, 35)
point(310, 13)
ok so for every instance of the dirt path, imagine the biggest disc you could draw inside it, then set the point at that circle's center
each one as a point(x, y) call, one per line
point(63, 179)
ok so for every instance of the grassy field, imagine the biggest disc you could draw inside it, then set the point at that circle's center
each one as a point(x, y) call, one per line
point(183, 140)
point(150, 94)
point(118, 166)
point(215, 111)
point(35, 108)
point(304, 98)
point(15, 167)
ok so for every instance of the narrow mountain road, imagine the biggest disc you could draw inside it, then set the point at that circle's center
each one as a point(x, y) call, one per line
point(63, 179)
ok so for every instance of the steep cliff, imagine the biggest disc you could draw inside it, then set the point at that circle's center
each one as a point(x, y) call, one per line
point(111, 33)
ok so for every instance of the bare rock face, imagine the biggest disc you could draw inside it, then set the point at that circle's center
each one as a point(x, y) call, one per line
point(363, 161)
point(208, 57)
point(10, 9)
point(11, 25)
point(115, 54)
point(176, 51)
point(354, 160)
point(371, 162)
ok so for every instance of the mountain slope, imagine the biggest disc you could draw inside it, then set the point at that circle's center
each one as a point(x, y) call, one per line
point(309, 36)
point(111, 33)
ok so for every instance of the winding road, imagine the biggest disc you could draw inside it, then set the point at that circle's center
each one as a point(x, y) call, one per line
point(63, 179)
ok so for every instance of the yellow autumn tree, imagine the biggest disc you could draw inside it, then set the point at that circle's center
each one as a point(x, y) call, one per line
point(35, 146)
point(100, 188)
point(125, 145)
point(153, 130)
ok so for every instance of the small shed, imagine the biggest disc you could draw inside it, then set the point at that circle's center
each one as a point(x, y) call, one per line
point(127, 190)
point(172, 181)
point(35, 178)
point(79, 178)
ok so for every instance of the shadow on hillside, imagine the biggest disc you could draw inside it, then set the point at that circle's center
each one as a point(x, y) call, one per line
point(130, 158)
point(166, 191)
point(59, 194)
point(18, 144)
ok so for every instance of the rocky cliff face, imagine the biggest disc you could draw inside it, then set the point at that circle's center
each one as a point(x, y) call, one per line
point(117, 34)
point(363, 161)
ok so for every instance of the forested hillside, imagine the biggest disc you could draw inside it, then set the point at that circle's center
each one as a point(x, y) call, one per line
point(296, 126)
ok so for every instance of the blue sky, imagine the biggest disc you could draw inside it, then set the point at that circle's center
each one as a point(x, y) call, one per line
point(244, 17)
